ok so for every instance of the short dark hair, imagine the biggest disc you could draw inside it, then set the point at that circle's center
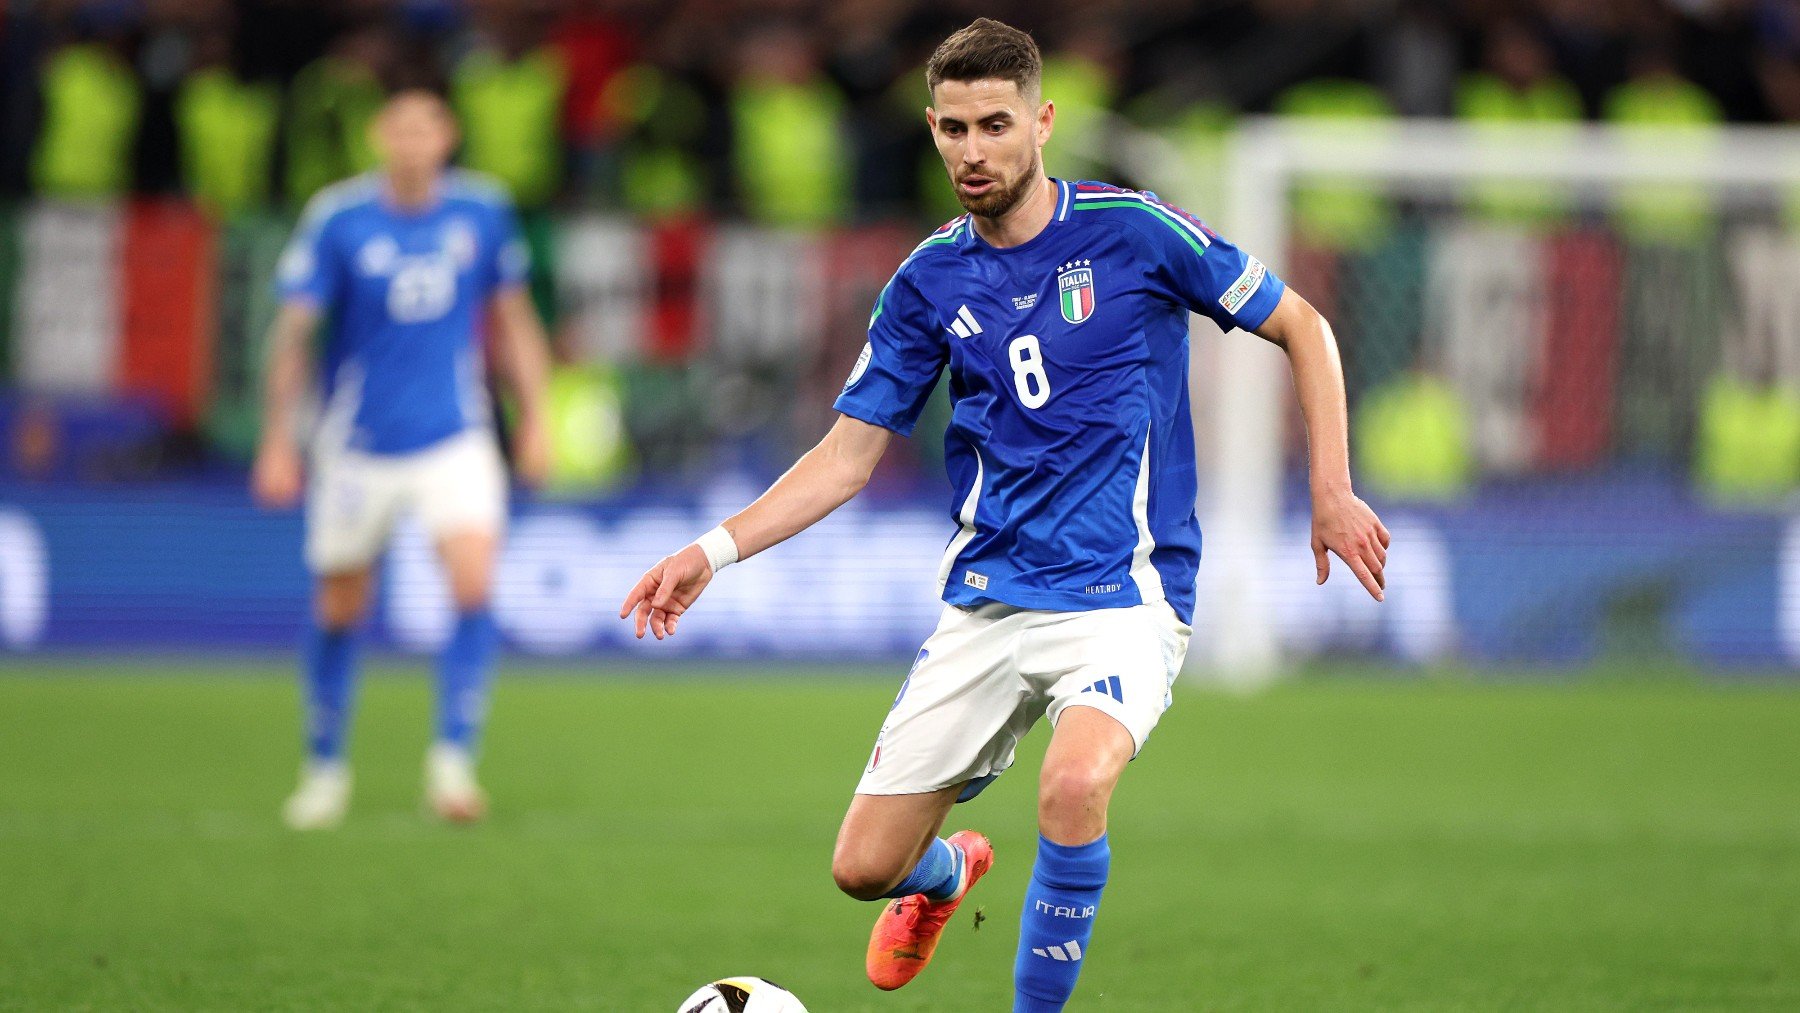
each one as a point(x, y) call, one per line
point(987, 50)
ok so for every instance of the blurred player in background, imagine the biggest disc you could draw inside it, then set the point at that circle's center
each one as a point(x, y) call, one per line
point(1062, 311)
point(406, 268)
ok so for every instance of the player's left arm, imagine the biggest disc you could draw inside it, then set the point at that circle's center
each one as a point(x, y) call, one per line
point(1342, 523)
point(522, 357)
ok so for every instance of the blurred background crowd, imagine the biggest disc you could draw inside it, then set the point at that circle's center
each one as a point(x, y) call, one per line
point(794, 112)
point(153, 153)
point(714, 193)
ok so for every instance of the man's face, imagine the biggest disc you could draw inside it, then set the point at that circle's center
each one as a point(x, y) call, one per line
point(415, 133)
point(990, 137)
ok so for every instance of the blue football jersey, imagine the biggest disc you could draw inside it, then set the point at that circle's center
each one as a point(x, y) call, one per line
point(404, 294)
point(1070, 447)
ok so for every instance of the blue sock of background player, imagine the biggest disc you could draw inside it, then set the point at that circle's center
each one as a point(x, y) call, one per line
point(1058, 921)
point(330, 674)
point(464, 670)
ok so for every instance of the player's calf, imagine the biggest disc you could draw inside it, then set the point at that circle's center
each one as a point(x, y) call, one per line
point(866, 881)
point(879, 873)
point(341, 598)
point(883, 839)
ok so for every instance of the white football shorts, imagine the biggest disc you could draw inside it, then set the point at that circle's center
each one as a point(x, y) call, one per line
point(453, 486)
point(988, 673)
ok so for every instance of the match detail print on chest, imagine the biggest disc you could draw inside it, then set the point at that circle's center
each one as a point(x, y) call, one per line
point(996, 306)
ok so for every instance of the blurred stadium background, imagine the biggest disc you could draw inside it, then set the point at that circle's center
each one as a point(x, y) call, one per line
point(1576, 401)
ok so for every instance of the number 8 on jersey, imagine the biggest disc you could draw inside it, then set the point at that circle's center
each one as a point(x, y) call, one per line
point(1028, 371)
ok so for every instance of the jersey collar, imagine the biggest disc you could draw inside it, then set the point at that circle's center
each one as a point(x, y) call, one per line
point(1065, 198)
point(392, 205)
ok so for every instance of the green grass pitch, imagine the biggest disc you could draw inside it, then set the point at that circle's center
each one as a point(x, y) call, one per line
point(1344, 843)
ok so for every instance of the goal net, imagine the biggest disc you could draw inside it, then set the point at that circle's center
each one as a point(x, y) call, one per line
point(1573, 363)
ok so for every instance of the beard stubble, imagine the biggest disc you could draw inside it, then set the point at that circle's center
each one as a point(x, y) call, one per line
point(998, 202)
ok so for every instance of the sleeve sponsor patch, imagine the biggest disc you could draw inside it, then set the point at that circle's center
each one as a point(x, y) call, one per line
point(862, 366)
point(1244, 287)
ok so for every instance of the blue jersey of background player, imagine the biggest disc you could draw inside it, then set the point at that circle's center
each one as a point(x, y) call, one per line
point(401, 271)
point(405, 293)
point(1061, 312)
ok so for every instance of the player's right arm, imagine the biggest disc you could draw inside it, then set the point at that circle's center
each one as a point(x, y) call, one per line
point(276, 477)
point(825, 478)
point(308, 278)
point(884, 395)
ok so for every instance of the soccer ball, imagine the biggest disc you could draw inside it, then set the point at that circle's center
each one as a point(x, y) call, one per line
point(742, 995)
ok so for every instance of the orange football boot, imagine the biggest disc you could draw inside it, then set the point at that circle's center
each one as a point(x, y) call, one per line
point(907, 933)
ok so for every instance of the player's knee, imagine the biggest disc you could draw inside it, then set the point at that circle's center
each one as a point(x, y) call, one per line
point(472, 596)
point(339, 608)
point(469, 560)
point(862, 879)
point(1073, 794)
point(471, 586)
point(337, 618)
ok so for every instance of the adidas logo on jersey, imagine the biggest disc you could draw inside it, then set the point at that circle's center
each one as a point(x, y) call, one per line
point(1109, 686)
point(1070, 950)
point(964, 326)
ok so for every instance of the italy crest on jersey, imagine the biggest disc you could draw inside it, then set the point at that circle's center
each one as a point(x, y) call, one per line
point(1075, 288)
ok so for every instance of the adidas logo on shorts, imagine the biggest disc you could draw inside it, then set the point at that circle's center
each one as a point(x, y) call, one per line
point(1109, 686)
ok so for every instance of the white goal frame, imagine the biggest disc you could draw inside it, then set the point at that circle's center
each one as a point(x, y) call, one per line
point(1244, 390)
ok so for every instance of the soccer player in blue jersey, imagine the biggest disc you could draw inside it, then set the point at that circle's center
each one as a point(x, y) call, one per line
point(1061, 310)
point(403, 271)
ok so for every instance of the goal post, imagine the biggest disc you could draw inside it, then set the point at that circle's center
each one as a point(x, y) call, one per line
point(1247, 450)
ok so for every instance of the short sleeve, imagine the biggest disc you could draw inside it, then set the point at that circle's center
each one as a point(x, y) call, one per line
point(1202, 270)
point(508, 258)
point(311, 268)
point(900, 365)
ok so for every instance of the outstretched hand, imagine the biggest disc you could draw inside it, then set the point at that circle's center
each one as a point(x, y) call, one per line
point(1344, 524)
point(667, 590)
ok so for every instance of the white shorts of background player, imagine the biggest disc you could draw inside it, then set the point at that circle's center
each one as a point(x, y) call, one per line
point(987, 674)
point(453, 486)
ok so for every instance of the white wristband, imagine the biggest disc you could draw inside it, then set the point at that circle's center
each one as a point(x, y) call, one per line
point(720, 548)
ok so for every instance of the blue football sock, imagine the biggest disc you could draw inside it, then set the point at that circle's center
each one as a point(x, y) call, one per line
point(937, 874)
point(1060, 906)
point(330, 675)
point(464, 669)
